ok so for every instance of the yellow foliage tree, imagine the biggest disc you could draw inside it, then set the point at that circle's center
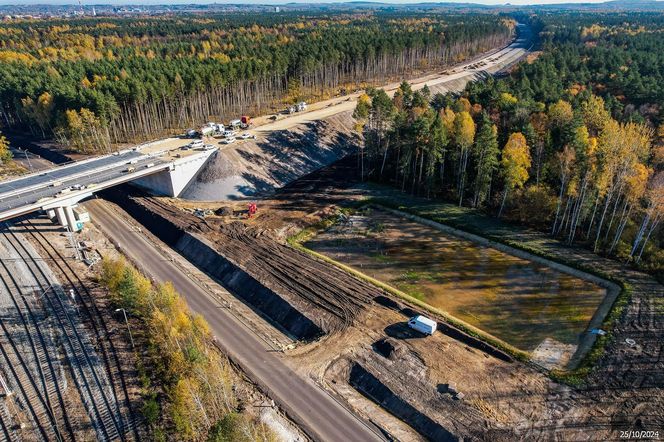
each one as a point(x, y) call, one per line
point(5, 154)
point(464, 136)
point(515, 163)
point(560, 114)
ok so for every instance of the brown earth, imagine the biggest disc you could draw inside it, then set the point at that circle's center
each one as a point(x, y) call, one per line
point(502, 400)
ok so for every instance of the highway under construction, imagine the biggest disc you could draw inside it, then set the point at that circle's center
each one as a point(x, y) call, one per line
point(326, 344)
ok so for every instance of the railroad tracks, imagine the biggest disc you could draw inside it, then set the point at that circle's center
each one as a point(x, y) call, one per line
point(98, 378)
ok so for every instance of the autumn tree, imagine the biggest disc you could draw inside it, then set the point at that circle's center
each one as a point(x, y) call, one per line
point(41, 111)
point(464, 136)
point(653, 215)
point(515, 163)
point(5, 153)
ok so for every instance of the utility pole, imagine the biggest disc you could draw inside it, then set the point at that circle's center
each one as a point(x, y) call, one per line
point(25, 152)
point(124, 312)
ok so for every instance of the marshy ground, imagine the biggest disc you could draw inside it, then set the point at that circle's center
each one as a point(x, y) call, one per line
point(516, 300)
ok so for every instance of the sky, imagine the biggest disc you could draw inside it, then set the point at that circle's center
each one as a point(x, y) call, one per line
point(162, 2)
point(275, 2)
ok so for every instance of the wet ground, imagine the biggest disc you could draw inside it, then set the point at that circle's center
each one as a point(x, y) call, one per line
point(516, 300)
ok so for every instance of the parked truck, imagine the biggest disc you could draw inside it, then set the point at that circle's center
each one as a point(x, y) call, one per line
point(245, 121)
point(423, 324)
point(208, 131)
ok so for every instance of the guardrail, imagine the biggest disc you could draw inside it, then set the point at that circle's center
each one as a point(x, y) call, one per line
point(55, 200)
point(69, 177)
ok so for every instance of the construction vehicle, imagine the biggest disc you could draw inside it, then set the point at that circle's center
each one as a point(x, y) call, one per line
point(235, 123)
point(301, 106)
point(245, 121)
point(208, 131)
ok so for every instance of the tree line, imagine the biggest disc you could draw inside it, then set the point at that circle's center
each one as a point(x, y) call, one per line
point(94, 82)
point(188, 388)
point(560, 155)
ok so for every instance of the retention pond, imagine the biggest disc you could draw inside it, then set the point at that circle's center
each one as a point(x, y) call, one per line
point(527, 304)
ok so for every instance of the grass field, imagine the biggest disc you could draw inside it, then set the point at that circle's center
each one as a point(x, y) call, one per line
point(514, 299)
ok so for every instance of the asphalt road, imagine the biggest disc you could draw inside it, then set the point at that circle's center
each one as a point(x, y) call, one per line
point(318, 414)
point(453, 79)
point(28, 190)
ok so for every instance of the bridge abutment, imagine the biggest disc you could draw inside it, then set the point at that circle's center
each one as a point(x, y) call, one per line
point(174, 181)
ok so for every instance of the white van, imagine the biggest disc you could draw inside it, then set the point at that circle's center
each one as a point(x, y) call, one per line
point(423, 324)
point(196, 143)
point(229, 133)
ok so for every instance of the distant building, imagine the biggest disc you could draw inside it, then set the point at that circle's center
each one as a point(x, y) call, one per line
point(276, 9)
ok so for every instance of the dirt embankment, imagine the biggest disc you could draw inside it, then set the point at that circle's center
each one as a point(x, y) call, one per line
point(259, 166)
point(301, 294)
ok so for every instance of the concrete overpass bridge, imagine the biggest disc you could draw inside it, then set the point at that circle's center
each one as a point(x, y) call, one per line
point(163, 168)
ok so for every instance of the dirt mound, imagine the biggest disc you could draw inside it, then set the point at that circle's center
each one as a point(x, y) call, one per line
point(329, 297)
point(306, 282)
point(369, 385)
point(259, 166)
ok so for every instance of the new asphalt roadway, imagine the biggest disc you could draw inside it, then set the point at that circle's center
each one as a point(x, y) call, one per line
point(313, 409)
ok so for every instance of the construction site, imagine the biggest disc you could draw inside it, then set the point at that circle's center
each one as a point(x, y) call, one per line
point(351, 335)
point(280, 233)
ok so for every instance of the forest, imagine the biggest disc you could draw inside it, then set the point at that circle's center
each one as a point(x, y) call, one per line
point(94, 82)
point(570, 141)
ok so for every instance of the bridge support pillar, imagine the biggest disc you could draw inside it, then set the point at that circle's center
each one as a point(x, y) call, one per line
point(62, 220)
point(50, 213)
point(71, 219)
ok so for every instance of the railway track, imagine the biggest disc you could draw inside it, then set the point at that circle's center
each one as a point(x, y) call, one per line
point(99, 326)
point(8, 434)
point(91, 381)
point(25, 370)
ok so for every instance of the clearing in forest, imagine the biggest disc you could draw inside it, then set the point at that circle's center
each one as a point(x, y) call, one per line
point(521, 302)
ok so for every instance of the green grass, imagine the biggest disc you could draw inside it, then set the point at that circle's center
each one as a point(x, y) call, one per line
point(296, 241)
point(379, 257)
point(411, 289)
point(473, 221)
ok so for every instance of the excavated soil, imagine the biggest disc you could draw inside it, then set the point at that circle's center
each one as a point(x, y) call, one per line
point(387, 375)
point(328, 298)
